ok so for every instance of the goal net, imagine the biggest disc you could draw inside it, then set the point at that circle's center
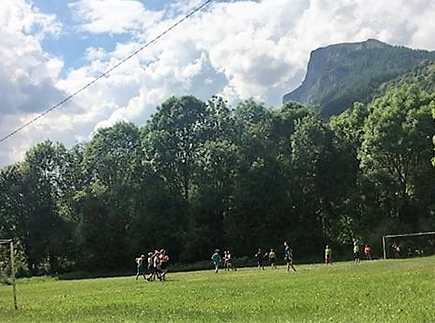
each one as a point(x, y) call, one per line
point(7, 265)
point(408, 245)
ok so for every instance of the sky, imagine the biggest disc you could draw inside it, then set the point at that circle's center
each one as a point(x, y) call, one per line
point(237, 49)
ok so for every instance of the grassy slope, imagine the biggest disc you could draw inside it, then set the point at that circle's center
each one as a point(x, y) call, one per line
point(376, 291)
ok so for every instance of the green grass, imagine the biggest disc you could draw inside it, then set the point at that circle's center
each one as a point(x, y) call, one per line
point(373, 291)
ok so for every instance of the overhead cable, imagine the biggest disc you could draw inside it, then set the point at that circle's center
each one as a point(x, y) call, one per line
point(106, 72)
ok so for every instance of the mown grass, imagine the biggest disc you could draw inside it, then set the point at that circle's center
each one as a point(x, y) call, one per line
point(373, 291)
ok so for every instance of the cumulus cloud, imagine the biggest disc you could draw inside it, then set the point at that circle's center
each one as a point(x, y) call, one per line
point(113, 16)
point(28, 74)
point(237, 49)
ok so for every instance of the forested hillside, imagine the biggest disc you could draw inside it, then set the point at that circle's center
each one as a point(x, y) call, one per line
point(341, 74)
point(200, 175)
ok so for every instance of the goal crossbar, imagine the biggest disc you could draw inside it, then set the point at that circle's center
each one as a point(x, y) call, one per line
point(400, 236)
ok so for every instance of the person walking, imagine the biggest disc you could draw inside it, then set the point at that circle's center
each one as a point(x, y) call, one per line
point(272, 258)
point(216, 258)
point(229, 263)
point(328, 255)
point(156, 269)
point(140, 267)
point(260, 255)
point(368, 252)
point(356, 252)
point(164, 259)
point(288, 252)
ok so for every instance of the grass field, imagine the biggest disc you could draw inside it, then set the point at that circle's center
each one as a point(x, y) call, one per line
point(372, 291)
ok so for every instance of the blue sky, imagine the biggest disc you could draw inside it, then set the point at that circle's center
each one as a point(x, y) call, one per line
point(71, 44)
point(237, 49)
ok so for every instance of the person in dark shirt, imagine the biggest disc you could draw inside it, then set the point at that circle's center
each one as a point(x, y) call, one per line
point(260, 255)
point(288, 256)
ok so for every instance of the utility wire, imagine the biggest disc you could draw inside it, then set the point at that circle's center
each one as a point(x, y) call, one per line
point(106, 72)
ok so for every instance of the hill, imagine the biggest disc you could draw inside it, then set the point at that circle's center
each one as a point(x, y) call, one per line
point(340, 74)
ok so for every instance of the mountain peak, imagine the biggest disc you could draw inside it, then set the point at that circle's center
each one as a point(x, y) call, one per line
point(340, 74)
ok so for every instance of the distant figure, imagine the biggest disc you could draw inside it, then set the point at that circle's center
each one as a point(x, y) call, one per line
point(228, 261)
point(328, 255)
point(150, 262)
point(368, 252)
point(140, 267)
point(288, 252)
point(216, 258)
point(164, 259)
point(156, 267)
point(356, 252)
point(260, 255)
point(396, 250)
point(272, 258)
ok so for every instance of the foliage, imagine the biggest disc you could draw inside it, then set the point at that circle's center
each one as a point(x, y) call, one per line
point(396, 151)
point(202, 175)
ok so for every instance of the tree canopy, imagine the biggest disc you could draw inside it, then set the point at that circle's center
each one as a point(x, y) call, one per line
point(200, 175)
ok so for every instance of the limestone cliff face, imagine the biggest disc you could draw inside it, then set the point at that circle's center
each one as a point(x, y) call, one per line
point(341, 74)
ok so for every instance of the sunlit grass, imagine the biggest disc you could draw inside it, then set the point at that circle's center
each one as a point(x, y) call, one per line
point(373, 291)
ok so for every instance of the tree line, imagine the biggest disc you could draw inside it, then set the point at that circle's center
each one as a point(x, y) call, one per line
point(200, 175)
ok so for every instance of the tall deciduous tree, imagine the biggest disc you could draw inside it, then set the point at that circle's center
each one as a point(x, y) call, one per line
point(112, 164)
point(310, 154)
point(396, 151)
point(43, 233)
point(213, 181)
point(173, 139)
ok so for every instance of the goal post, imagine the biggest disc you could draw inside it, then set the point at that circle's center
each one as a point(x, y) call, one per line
point(405, 235)
point(12, 260)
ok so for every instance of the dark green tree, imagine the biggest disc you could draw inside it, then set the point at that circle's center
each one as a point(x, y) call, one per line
point(396, 153)
point(43, 233)
point(109, 199)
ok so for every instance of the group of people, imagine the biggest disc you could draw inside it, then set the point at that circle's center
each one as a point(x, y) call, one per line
point(157, 261)
point(227, 260)
point(261, 257)
point(271, 257)
point(356, 253)
point(157, 265)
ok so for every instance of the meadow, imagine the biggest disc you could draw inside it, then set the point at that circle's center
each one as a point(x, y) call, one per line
point(372, 291)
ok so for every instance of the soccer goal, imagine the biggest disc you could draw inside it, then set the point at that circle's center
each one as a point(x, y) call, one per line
point(408, 245)
point(11, 260)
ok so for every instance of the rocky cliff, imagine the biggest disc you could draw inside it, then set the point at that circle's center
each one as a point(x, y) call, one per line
point(340, 74)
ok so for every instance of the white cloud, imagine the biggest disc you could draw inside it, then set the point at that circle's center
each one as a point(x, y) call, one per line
point(239, 49)
point(113, 16)
point(19, 18)
point(27, 74)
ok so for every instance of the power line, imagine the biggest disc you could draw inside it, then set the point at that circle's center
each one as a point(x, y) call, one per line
point(106, 72)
